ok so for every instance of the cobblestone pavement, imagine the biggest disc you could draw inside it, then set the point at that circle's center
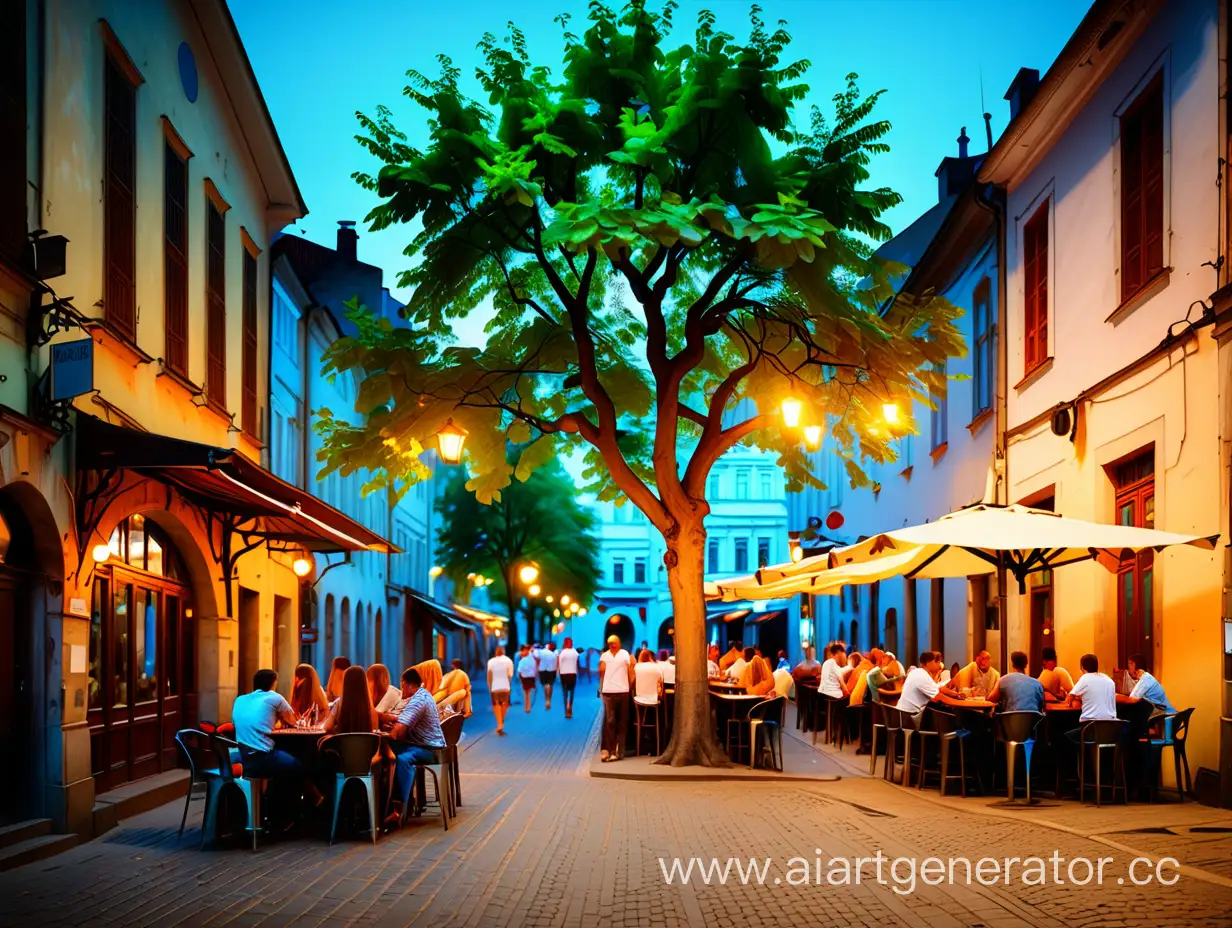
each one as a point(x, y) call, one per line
point(539, 844)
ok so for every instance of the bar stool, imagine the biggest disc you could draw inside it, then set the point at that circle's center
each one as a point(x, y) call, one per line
point(879, 725)
point(766, 721)
point(251, 787)
point(947, 733)
point(834, 707)
point(1099, 736)
point(642, 707)
point(1017, 730)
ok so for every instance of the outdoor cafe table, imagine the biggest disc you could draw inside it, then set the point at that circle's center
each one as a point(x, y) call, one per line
point(722, 686)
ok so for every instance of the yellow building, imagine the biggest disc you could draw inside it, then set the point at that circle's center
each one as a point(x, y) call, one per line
point(147, 557)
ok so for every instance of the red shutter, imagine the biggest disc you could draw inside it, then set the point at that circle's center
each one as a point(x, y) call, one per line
point(175, 264)
point(1142, 189)
point(216, 307)
point(119, 204)
point(1035, 285)
point(248, 406)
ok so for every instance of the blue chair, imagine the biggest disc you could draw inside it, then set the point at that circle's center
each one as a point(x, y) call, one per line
point(353, 754)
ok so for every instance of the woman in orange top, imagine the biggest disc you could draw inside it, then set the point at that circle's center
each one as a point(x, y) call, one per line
point(306, 692)
point(430, 673)
point(760, 678)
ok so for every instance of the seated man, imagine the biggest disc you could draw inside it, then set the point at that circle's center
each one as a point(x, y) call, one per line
point(417, 738)
point(1017, 692)
point(832, 672)
point(980, 676)
point(1095, 693)
point(712, 662)
point(254, 715)
point(1055, 680)
point(809, 669)
point(736, 671)
point(1145, 686)
point(857, 682)
point(733, 654)
point(921, 686)
point(885, 673)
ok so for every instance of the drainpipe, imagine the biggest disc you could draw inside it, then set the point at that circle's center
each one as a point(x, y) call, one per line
point(992, 199)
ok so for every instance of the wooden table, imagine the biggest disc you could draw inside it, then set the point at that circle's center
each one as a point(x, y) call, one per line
point(969, 703)
point(724, 687)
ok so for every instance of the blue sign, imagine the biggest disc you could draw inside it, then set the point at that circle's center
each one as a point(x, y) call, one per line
point(72, 369)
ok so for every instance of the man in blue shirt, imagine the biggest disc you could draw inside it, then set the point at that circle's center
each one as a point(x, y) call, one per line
point(1017, 692)
point(1145, 685)
point(417, 739)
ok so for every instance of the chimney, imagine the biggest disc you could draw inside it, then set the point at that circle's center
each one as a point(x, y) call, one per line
point(988, 129)
point(963, 141)
point(954, 174)
point(348, 239)
point(1022, 89)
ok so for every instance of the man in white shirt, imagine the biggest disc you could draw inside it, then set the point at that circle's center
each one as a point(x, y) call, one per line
point(712, 662)
point(254, 715)
point(615, 678)
point(547, 672)
point(832, 673)
point(500, 673)
point(921, 686)
point(567, 664)
point(1094, 692)
point(667, 667)
point(739, 664)
point(528, 672)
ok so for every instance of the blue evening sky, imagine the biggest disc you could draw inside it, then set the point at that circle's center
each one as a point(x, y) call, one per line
point(318, 61)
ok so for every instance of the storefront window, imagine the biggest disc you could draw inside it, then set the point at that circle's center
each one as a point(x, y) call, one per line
point(121, 628)
point(95, 685)
point(145, 644)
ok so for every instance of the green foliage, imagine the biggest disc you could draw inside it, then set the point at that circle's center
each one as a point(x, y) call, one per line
point(662, 246)
point(538, 520)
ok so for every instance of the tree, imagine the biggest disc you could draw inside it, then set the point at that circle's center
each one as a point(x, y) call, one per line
point(657, 242)
point(540, 521)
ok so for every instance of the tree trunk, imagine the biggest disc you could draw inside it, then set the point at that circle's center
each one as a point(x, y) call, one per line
point(511, 640)
point(693, 742)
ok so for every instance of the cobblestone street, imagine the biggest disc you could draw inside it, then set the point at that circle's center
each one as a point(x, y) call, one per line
point(539, 843)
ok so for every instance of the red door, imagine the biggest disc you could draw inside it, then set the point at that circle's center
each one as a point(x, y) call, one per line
point(1135, 576)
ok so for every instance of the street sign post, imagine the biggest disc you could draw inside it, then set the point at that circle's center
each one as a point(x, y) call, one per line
point(72, 369)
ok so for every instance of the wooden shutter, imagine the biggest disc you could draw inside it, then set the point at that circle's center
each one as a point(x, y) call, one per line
point(248, 406)
point(216, 306)
point(175, 259)
point(1035, 304)
point(119, 203)
point(1142, 189)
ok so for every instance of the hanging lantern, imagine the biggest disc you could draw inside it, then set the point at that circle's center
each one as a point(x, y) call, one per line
point(449, 441)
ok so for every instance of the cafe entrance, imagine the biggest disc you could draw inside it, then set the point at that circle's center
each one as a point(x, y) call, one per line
point(142, 655)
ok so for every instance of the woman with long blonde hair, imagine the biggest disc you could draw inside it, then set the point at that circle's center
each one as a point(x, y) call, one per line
point(760, 677)
point(385, 696)
point(430, 673)
point(333, 686)
point(306, 692)
point(353, 712)
point(455, 689)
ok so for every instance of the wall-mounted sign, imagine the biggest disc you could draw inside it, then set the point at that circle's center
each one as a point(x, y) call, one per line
point(72, 369)
point(308, 636)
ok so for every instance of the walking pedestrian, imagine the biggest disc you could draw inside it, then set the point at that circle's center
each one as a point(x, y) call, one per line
point(567, 664)
point(500, 674)
point(615, 678)
point(528, 674)
point(547, 672)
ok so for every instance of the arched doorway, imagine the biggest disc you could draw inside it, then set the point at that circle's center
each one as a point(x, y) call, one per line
point(328, 615)
point(621, 626)
point(31, 568)
point(890, 642)
point(344, 632)
point(143, 663)
point(667, 634)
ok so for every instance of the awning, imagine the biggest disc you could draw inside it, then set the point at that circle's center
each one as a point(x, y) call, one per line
point(443, 617)
point(766, 616)
point(222, 480)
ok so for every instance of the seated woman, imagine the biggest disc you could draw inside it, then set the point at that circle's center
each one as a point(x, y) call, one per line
point(383, 695)
point(760, 678)
point(353, 711)
point(307, 694)
point(647, 680)
point(454, 691)
point(430, 673)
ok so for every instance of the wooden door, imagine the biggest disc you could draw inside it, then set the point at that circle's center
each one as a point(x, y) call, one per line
point(15, 709)
point(1136, 574)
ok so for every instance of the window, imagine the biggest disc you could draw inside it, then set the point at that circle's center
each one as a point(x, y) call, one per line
point(984, 355)
point(286, 326)
point(767, 483)
point(1135, 503)
point(763, 552)
point(618, 571)
point(742, 483)
point(639, 570)
point(742, 554)
point(712, 556)
point(119, 199)
point(216, 305)
point(1035, 289)
point(248, 360)
point(1142, 189)
point(713, 491)
point(175, 258)
point(941, 415)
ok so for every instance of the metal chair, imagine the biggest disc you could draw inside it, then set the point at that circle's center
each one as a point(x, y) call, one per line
point(1176, 732)
point(905, 724)
point(948, 733)
point(1098, 736)
point(642, 709)
point(451, 728)
point(879, 725)
point(354, 752)
point(766, 720)
point(1017, 730)
point(202, 767)
point(252, 788)
point(441, 788)
point(835, 706)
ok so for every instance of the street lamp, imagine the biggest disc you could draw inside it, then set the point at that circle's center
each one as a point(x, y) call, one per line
point(529, 573)
point(534, 589)
point(889, 412)
point(791, 412)
point(547, 599)
point(564, 600)
point(301, 566)
point(100, 553)
point(449, 440)
point(812, 437)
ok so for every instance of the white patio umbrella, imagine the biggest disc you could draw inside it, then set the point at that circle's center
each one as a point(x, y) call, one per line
point(735, 589)
point(979, 540)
